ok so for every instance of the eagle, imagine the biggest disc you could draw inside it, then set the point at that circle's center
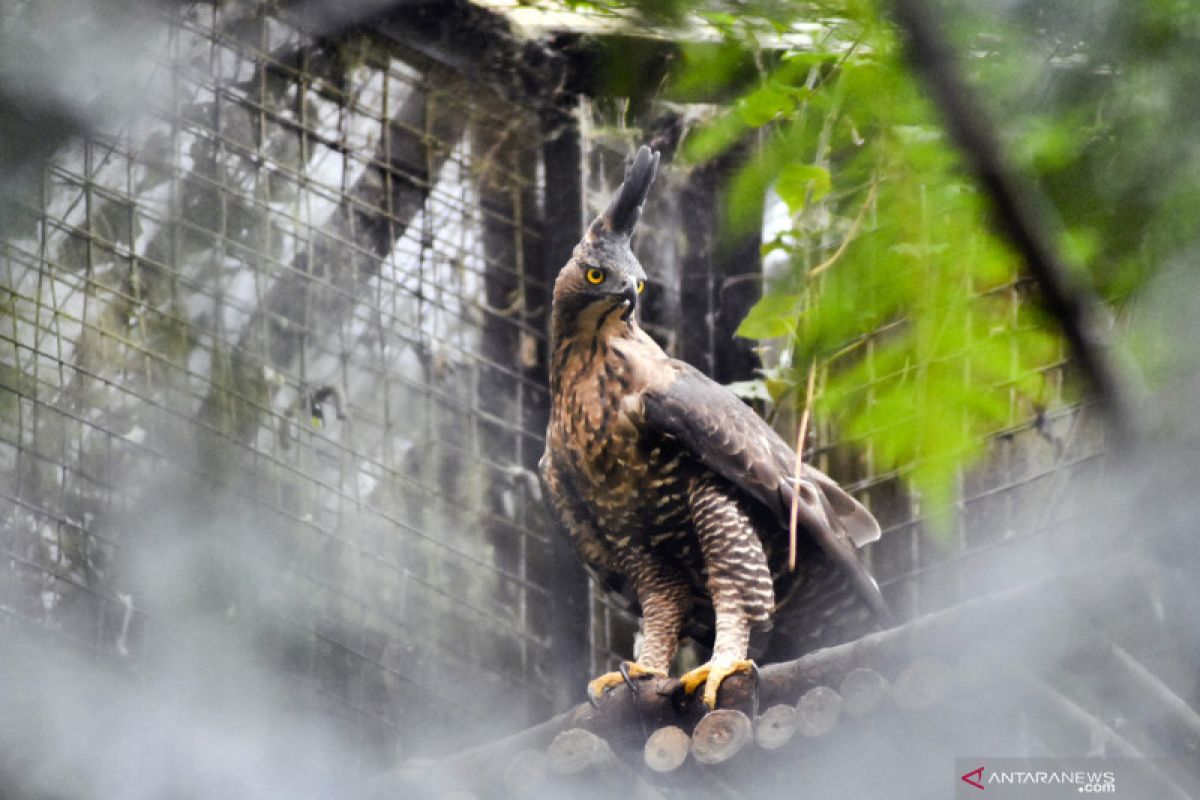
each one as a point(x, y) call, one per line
point(676, 493)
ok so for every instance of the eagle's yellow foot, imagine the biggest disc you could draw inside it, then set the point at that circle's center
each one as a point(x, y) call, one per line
point(628, 673)
point(711, 676)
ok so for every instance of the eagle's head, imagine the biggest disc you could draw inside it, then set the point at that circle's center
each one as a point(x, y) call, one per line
point(602, 281)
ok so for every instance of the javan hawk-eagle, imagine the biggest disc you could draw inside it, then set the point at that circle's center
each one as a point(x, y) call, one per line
point(674, 490)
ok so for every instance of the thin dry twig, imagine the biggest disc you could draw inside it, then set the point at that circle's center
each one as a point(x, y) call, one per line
point(850, 234)
point(800, 437)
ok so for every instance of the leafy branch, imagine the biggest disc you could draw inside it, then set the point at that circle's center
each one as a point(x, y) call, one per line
point(926, 343)
point(892, 267)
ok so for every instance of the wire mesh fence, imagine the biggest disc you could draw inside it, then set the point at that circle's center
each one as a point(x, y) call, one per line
point(287, 329)
point(291, 298)
point(1007, 508)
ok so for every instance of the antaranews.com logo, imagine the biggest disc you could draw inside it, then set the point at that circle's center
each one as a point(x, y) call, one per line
point(1081, 781)
point(1061, 778)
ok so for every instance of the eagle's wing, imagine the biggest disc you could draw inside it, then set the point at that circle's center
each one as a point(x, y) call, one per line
point(730, 439)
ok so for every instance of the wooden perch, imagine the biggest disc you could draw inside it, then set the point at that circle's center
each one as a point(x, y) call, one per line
point(1036, 611)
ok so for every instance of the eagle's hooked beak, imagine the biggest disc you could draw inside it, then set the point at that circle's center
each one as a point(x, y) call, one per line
point(629, 296)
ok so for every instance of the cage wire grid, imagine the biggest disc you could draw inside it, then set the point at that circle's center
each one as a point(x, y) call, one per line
point(298, 282)
point(1007, 508)
point(303, 282)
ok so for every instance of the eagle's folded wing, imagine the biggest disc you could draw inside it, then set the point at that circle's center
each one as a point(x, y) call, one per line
point(729, 438)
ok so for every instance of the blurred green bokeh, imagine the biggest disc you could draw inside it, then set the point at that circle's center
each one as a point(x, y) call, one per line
point(927, 337)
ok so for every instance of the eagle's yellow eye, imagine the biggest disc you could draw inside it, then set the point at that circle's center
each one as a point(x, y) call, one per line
point(595, 276)
point(641, 286)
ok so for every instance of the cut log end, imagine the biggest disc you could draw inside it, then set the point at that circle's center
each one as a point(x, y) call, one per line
point(818, 711)
point(575, 751)
point(862, 691)
point(667, 749)
point(721, 735)
point(922, 684)
point(775, 727)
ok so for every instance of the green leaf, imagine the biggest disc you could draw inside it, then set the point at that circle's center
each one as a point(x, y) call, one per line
point(795, 180)
point(1081, 245)
point(764, 105)
point(745, 195)
point(919, 251)
point(778, 242)
point(712, 139)
point(771, 317)
point(707, 67)
point(777, 389)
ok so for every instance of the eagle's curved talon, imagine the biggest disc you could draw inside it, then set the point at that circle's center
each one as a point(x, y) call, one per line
point(628, 673)
point(712, 675)
point(623, 668)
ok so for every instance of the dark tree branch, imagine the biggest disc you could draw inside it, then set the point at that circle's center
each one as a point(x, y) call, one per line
point(1019, 211)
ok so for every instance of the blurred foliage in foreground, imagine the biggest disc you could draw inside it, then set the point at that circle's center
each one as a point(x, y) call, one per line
point(894, 282)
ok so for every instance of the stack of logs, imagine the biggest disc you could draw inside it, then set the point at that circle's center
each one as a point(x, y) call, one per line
point(672, 740)
point(718, 736)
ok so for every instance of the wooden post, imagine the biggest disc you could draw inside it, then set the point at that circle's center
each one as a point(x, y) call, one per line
point(737, 284)
point(562, 227)
point(720, 279)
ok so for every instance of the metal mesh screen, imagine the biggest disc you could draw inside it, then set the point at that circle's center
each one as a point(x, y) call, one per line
point(1006, 505)
point(292, 320)
point(286, 318)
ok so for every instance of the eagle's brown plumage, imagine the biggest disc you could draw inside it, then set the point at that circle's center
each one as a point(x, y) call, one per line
point(675, 491)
